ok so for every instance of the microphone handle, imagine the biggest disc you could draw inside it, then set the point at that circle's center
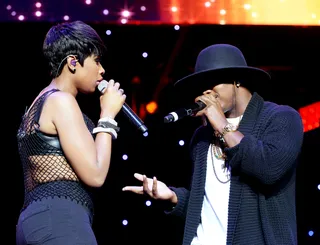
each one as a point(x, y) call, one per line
point(134, 118)
point(176, 115)
point(181, 113)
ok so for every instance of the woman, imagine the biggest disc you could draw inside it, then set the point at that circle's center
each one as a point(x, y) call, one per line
point(62, 153)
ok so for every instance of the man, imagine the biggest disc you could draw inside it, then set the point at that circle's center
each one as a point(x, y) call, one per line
point(245, 155)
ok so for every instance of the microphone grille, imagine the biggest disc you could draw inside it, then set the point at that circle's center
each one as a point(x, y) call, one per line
point(102, 85)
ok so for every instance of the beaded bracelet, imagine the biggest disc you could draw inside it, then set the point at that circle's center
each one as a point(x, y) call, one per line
point(108, 119)
point(106, 124)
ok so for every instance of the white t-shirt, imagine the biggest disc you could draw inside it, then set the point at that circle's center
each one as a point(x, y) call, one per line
point(212, 229)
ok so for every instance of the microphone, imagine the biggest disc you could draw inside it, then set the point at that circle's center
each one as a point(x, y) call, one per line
point(133, 117)
point(181, 113)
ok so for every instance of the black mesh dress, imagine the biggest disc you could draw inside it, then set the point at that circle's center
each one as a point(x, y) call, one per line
point(47, 173)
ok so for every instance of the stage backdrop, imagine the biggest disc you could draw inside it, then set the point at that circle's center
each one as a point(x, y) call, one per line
point(147, 60)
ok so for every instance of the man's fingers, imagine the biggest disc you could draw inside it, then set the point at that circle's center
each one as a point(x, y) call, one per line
point(145, 186)
point(155, 187)
point(138, 176)
point(135, 189)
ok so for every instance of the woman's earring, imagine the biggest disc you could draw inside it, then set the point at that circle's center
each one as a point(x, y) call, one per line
point(238, 85)
point(73, 63)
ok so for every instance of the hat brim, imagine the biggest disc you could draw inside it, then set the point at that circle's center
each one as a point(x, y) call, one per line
point(195, 84)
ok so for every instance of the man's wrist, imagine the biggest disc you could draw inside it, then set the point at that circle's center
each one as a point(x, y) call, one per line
point(174, 198)
point(228, 128)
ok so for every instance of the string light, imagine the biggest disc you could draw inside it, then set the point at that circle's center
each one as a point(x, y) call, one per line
point(223, 11)
point(174, 9)
point(207, 4)
point(247, 6)
point(38, 13)
point(145, 134)
point(124, 21)
point(105, 11)
point(125, 13)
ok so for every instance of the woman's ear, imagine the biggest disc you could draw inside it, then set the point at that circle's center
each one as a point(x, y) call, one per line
point(72, 62)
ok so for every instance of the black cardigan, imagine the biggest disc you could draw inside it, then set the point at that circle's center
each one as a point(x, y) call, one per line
point(262, 207)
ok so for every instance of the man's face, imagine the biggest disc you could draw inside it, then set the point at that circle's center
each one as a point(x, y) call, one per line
point(225, 95)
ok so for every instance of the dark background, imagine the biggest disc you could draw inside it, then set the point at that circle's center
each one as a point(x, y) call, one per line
point(290, 54)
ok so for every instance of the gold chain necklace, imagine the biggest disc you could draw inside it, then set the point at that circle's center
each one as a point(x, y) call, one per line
point(219, 154)
point(213, 147)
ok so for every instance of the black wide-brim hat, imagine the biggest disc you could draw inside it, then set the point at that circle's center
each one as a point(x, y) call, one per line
point(220, 63)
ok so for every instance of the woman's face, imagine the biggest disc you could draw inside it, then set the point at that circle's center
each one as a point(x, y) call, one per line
point(89, 75)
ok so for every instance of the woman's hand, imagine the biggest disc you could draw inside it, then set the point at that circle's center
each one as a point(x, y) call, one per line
point(112, 99)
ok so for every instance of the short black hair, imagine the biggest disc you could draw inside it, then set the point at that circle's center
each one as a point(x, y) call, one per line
point(70, 38)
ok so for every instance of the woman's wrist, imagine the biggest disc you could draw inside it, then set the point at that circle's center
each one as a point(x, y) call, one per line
point(106, 114)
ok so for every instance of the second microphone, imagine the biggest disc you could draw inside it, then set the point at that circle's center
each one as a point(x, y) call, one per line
point(183, 112)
